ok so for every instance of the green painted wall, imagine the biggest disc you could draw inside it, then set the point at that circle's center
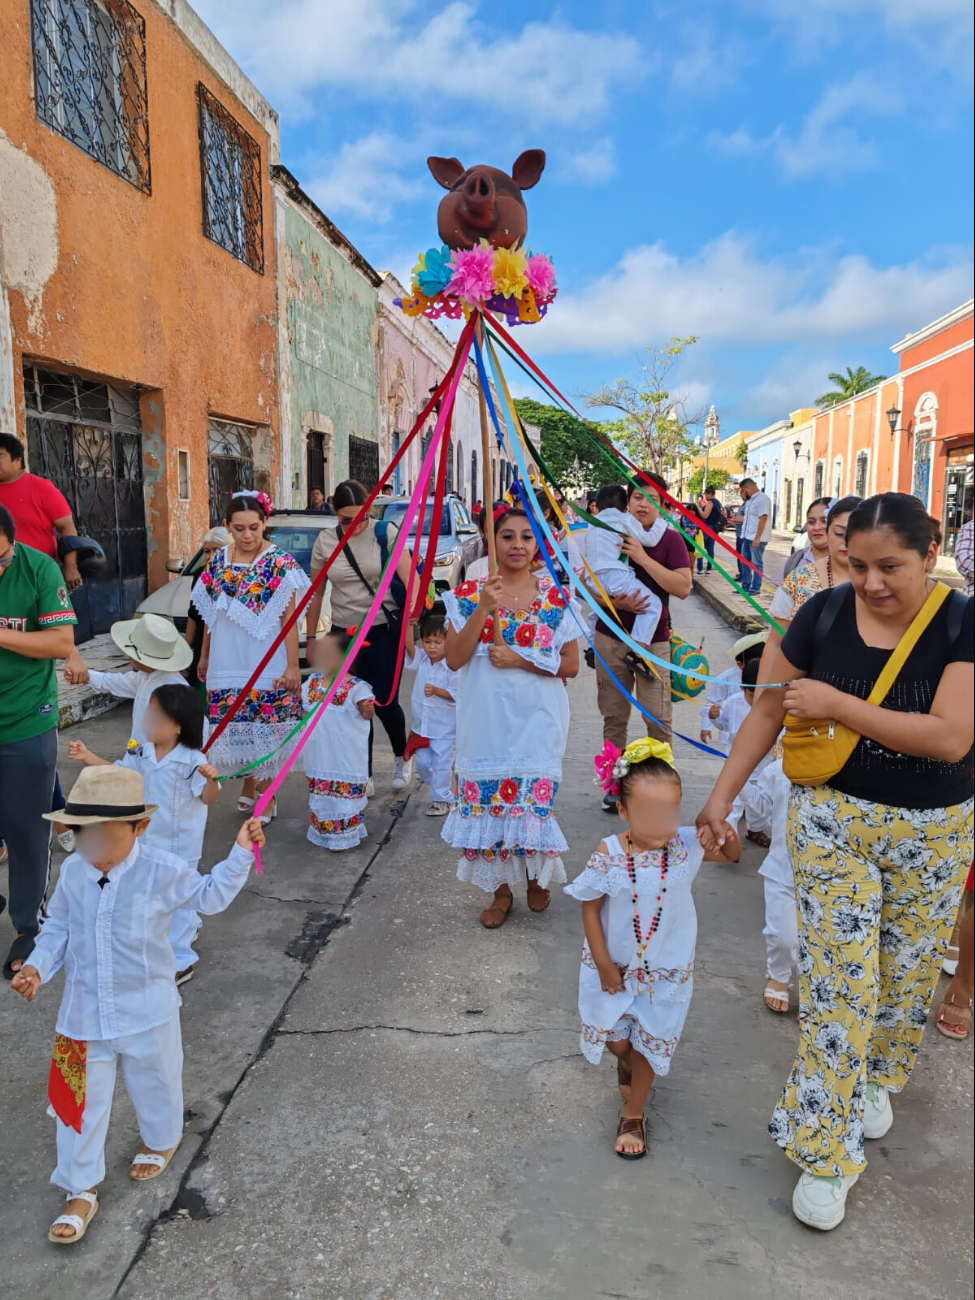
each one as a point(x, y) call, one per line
point(332, 329)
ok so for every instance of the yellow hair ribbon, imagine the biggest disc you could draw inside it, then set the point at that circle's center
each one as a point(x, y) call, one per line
point(638, 751)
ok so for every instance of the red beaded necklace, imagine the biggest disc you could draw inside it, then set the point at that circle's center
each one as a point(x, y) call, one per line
point(643, 940)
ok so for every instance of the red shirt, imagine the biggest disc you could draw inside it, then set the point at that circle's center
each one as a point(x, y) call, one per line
point(35, 503)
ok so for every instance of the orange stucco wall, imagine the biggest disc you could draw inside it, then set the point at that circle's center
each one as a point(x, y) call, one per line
point(137, 292)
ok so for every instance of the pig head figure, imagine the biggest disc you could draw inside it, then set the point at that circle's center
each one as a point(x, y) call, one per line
point(485, 202)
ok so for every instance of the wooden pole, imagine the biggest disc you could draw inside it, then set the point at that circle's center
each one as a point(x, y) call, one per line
point(488, 486)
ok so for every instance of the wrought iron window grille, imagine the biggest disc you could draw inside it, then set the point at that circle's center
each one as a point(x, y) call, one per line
point(364, 461)
point(231, 464)
point(90, 81)
point(230, 165)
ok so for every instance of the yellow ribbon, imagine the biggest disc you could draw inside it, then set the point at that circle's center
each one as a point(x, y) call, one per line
point(638, 751)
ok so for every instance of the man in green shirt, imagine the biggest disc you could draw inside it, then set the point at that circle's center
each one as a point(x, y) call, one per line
point(36, 619)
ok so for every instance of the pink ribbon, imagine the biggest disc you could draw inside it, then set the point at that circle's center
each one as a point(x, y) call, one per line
point(399, 545)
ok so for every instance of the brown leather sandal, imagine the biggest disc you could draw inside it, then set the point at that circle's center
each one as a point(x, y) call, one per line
point(758, 837)
point(960, 1027)
point(632, 1126)
point(538, 898)
point(494, 916)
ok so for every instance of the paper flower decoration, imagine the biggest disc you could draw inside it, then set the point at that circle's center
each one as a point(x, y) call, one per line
point(514, 284)
point(473, 274)
point(541, 276)
point(510, 272)
point(433, 272)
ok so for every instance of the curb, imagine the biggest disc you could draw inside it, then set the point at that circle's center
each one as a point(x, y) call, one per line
point(735, 611)
point(83, 706)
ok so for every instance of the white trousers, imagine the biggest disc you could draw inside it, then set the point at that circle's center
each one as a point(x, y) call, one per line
point(781, 929)
point(435, 766)
point(744, 805)
point(152, 1066)
point(185, 927)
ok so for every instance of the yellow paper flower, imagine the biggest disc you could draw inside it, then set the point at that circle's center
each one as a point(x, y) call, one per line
point(510, 272)
point(421, 265)
point(638, 751)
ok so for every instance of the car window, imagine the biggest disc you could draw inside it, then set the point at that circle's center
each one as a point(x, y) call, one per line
point(296, 539)
point(397, 511)
point(195, 566)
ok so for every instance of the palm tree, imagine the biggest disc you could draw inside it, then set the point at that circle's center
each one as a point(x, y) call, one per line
point(848, 385)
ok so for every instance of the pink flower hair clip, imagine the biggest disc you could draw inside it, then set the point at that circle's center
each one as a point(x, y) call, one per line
point(607, 764)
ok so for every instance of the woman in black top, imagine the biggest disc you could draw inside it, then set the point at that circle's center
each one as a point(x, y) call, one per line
point(881, 852)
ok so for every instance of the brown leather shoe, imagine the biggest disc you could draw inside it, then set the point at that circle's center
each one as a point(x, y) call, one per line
point(494, 916)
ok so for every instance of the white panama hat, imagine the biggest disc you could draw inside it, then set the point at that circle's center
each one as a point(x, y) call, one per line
point(153, 641)
point(746, 642)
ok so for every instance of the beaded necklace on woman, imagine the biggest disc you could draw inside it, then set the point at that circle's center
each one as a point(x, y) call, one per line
point(643, 940)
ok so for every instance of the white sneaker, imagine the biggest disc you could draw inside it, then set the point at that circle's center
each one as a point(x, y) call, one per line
point(821, 1202)
point(878, 1114)
point(402, 773)
point(66, 840)
point(370, 788)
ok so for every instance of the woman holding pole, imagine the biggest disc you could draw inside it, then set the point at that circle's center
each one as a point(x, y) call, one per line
point(514, 637)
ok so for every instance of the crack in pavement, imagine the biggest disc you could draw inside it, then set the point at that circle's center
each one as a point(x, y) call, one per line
point(428, 1033)
point(323, 930)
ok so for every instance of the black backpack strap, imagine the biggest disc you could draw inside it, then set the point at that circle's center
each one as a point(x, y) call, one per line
point(831, 608)
point(354, 564)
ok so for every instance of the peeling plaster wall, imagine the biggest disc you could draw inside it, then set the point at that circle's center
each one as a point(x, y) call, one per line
point(332, 331)
point(118, 284)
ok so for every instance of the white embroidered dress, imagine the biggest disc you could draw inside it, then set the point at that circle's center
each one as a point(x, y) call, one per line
point(511, 732)
point(243, 607)
point(336, 761)
point(653, 1007)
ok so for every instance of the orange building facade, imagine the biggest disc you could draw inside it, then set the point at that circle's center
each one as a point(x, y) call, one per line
point(138, 320)
point(911, 433)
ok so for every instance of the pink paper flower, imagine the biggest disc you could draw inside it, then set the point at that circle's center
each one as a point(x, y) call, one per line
point(604, 762)
point(541, 277)
point(473, 274)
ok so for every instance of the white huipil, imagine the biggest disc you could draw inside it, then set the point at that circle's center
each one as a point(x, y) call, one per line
point(435, 719)
point(771, 800)
point(175, 783)
point(512, 727)
point(336, 762)
point(651, 1010)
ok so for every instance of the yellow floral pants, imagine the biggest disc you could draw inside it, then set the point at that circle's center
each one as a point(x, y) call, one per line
point(877, 889)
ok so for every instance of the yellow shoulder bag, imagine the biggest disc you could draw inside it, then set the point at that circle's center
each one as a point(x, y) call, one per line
point(815, 749)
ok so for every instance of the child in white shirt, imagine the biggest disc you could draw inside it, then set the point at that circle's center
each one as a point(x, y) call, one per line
point(727, 685)
point(610, 564)
point(781, 931)
point(433, 734)
point(158, 655)
point(733, 713)
point(108, 925)
point(177, 777)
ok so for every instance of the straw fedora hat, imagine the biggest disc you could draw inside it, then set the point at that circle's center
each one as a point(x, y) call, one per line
point(104, 794)
point(746, 642)
point(153, 641)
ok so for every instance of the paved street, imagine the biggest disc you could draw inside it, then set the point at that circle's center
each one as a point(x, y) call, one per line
point(386, 1102)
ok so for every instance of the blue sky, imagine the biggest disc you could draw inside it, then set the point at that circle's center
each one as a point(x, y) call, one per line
point(791, 180)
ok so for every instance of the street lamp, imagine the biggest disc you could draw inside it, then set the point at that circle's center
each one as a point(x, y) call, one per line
point(893, 415)
point(796, 448)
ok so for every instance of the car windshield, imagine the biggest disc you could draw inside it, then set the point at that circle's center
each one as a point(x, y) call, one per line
point(297, 539)
point(396, 514)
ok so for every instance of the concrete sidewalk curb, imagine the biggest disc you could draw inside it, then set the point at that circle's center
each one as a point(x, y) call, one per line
point(726, 602)
point(79, 703)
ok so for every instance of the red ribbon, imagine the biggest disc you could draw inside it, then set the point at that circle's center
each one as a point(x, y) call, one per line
point(343, 541)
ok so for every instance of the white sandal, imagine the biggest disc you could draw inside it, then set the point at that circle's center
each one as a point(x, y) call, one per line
point(159, 1162)
point(777, 995)
point(244, 804)
point(269, 815)
point(75, 1221)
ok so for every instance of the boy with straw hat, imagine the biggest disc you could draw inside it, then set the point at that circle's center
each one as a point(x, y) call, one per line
point(108, 924)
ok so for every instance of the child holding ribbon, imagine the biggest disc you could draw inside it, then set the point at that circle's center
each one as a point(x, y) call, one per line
point(336, 756)
point(636, 978)
point(108, 925)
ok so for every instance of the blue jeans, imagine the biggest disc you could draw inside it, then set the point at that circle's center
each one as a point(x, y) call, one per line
point(709, 547)
point(27, 773)
point(754, 551)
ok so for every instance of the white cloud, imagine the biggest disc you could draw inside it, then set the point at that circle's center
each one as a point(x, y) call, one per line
point(362, 179)
point(726, 293)
point(591, 166)
point(825, 144)
point(703, 64)
point(548, 71)
point(795, 380)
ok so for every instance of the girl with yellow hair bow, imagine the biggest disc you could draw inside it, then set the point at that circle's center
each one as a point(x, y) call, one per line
point(637, 969)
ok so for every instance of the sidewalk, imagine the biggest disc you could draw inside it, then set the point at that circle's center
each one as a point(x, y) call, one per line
point(718, 592)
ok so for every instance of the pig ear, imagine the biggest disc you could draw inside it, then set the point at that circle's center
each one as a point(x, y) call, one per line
point(447, 171)
point(528, 168)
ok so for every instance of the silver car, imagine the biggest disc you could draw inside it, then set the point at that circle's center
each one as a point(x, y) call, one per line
point(458, 544)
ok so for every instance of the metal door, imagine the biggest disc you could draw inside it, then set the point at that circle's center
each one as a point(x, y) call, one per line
point(315, 475)
point(86, 437)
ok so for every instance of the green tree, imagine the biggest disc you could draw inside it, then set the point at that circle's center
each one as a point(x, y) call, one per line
point(741, 453)
point(653, 427)
point(848, 385)
point(567, 446)
point(717, 478)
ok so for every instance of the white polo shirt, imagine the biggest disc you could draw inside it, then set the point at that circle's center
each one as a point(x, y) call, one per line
point(758, 504)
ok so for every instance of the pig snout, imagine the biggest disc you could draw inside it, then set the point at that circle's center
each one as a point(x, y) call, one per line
point(479, 196)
